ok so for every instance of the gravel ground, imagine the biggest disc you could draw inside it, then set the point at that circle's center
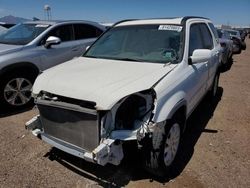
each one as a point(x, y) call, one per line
point(215, 147)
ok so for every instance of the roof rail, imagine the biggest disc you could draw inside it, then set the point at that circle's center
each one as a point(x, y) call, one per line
point(123, 21)
point(185, 18)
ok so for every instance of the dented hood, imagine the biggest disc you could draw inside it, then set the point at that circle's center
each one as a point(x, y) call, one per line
point(100, 80)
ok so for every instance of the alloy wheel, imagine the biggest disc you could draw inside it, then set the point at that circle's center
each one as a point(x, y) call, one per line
point(17, 92)
point(172, 144)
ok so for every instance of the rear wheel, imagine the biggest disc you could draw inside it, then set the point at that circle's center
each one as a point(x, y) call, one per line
point(15, 90)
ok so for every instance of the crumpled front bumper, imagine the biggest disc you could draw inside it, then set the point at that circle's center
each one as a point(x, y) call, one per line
point(108, 151)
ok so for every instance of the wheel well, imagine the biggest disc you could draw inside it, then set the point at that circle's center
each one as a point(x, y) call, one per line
point(27, 68)
point(180, 115)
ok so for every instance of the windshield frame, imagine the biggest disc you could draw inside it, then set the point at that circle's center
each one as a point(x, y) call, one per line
point(181, 48)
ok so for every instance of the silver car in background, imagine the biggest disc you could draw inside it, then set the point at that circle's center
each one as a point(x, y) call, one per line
point(238, 43)
point(226, 47)
point(2, 29)
point(31, 47)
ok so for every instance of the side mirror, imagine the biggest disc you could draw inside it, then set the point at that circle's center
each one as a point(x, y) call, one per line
point(199, 56)
point(52, 41)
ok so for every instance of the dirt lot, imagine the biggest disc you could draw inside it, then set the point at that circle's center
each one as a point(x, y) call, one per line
point(215, 148)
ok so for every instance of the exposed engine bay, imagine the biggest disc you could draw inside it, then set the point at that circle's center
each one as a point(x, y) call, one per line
point(98, 138)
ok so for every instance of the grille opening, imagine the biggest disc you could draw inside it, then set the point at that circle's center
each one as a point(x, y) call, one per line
point(77, 128)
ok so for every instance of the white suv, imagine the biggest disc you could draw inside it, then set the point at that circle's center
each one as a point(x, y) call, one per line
point(140, 81)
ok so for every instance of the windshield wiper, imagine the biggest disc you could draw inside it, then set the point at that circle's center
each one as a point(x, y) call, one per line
point(128, 59)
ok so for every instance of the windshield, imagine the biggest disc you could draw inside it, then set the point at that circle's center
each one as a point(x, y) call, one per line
point(22, 34)
point(144, 43)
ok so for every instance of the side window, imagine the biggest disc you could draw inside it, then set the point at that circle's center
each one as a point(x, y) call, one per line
point(207, 37)
point(65, 33)
point(195, 38)
point(84, 31)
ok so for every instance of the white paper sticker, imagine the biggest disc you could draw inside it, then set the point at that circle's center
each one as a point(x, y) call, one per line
point(42, 25)
point(170, 27)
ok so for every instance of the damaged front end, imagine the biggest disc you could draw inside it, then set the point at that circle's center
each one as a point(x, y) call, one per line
point(96, 135)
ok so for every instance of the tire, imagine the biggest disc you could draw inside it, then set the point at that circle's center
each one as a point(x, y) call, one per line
point(226, 66)
point(15, 90)
point(160, 157)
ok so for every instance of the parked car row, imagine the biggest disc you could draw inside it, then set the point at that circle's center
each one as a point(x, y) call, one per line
point(235, 36)
point(232, 42)
point(139, 81)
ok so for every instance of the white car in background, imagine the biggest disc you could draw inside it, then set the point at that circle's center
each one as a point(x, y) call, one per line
point(139, 81)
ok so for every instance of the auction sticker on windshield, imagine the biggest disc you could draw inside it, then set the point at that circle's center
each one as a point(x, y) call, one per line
point(170, 27)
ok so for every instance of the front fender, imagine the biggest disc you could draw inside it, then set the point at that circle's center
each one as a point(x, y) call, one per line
point(165, 109)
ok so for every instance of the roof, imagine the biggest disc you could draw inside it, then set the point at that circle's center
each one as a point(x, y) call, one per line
point(53, 22)
point(152, 21)
point(175, 20)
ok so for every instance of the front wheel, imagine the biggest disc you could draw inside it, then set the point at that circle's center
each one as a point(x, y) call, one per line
point(15, 90)
point(165, 145)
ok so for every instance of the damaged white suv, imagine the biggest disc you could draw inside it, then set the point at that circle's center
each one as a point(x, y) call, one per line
point(139, 81)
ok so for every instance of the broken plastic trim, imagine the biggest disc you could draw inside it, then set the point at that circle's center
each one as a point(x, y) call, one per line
point(142, 106)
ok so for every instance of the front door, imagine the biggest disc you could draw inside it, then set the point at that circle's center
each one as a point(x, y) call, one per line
point(56, 54)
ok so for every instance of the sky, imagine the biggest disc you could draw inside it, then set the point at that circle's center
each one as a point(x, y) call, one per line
point(231, 12)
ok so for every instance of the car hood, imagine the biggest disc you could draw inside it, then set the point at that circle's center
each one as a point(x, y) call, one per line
point(102, 81)
point(7, 48)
